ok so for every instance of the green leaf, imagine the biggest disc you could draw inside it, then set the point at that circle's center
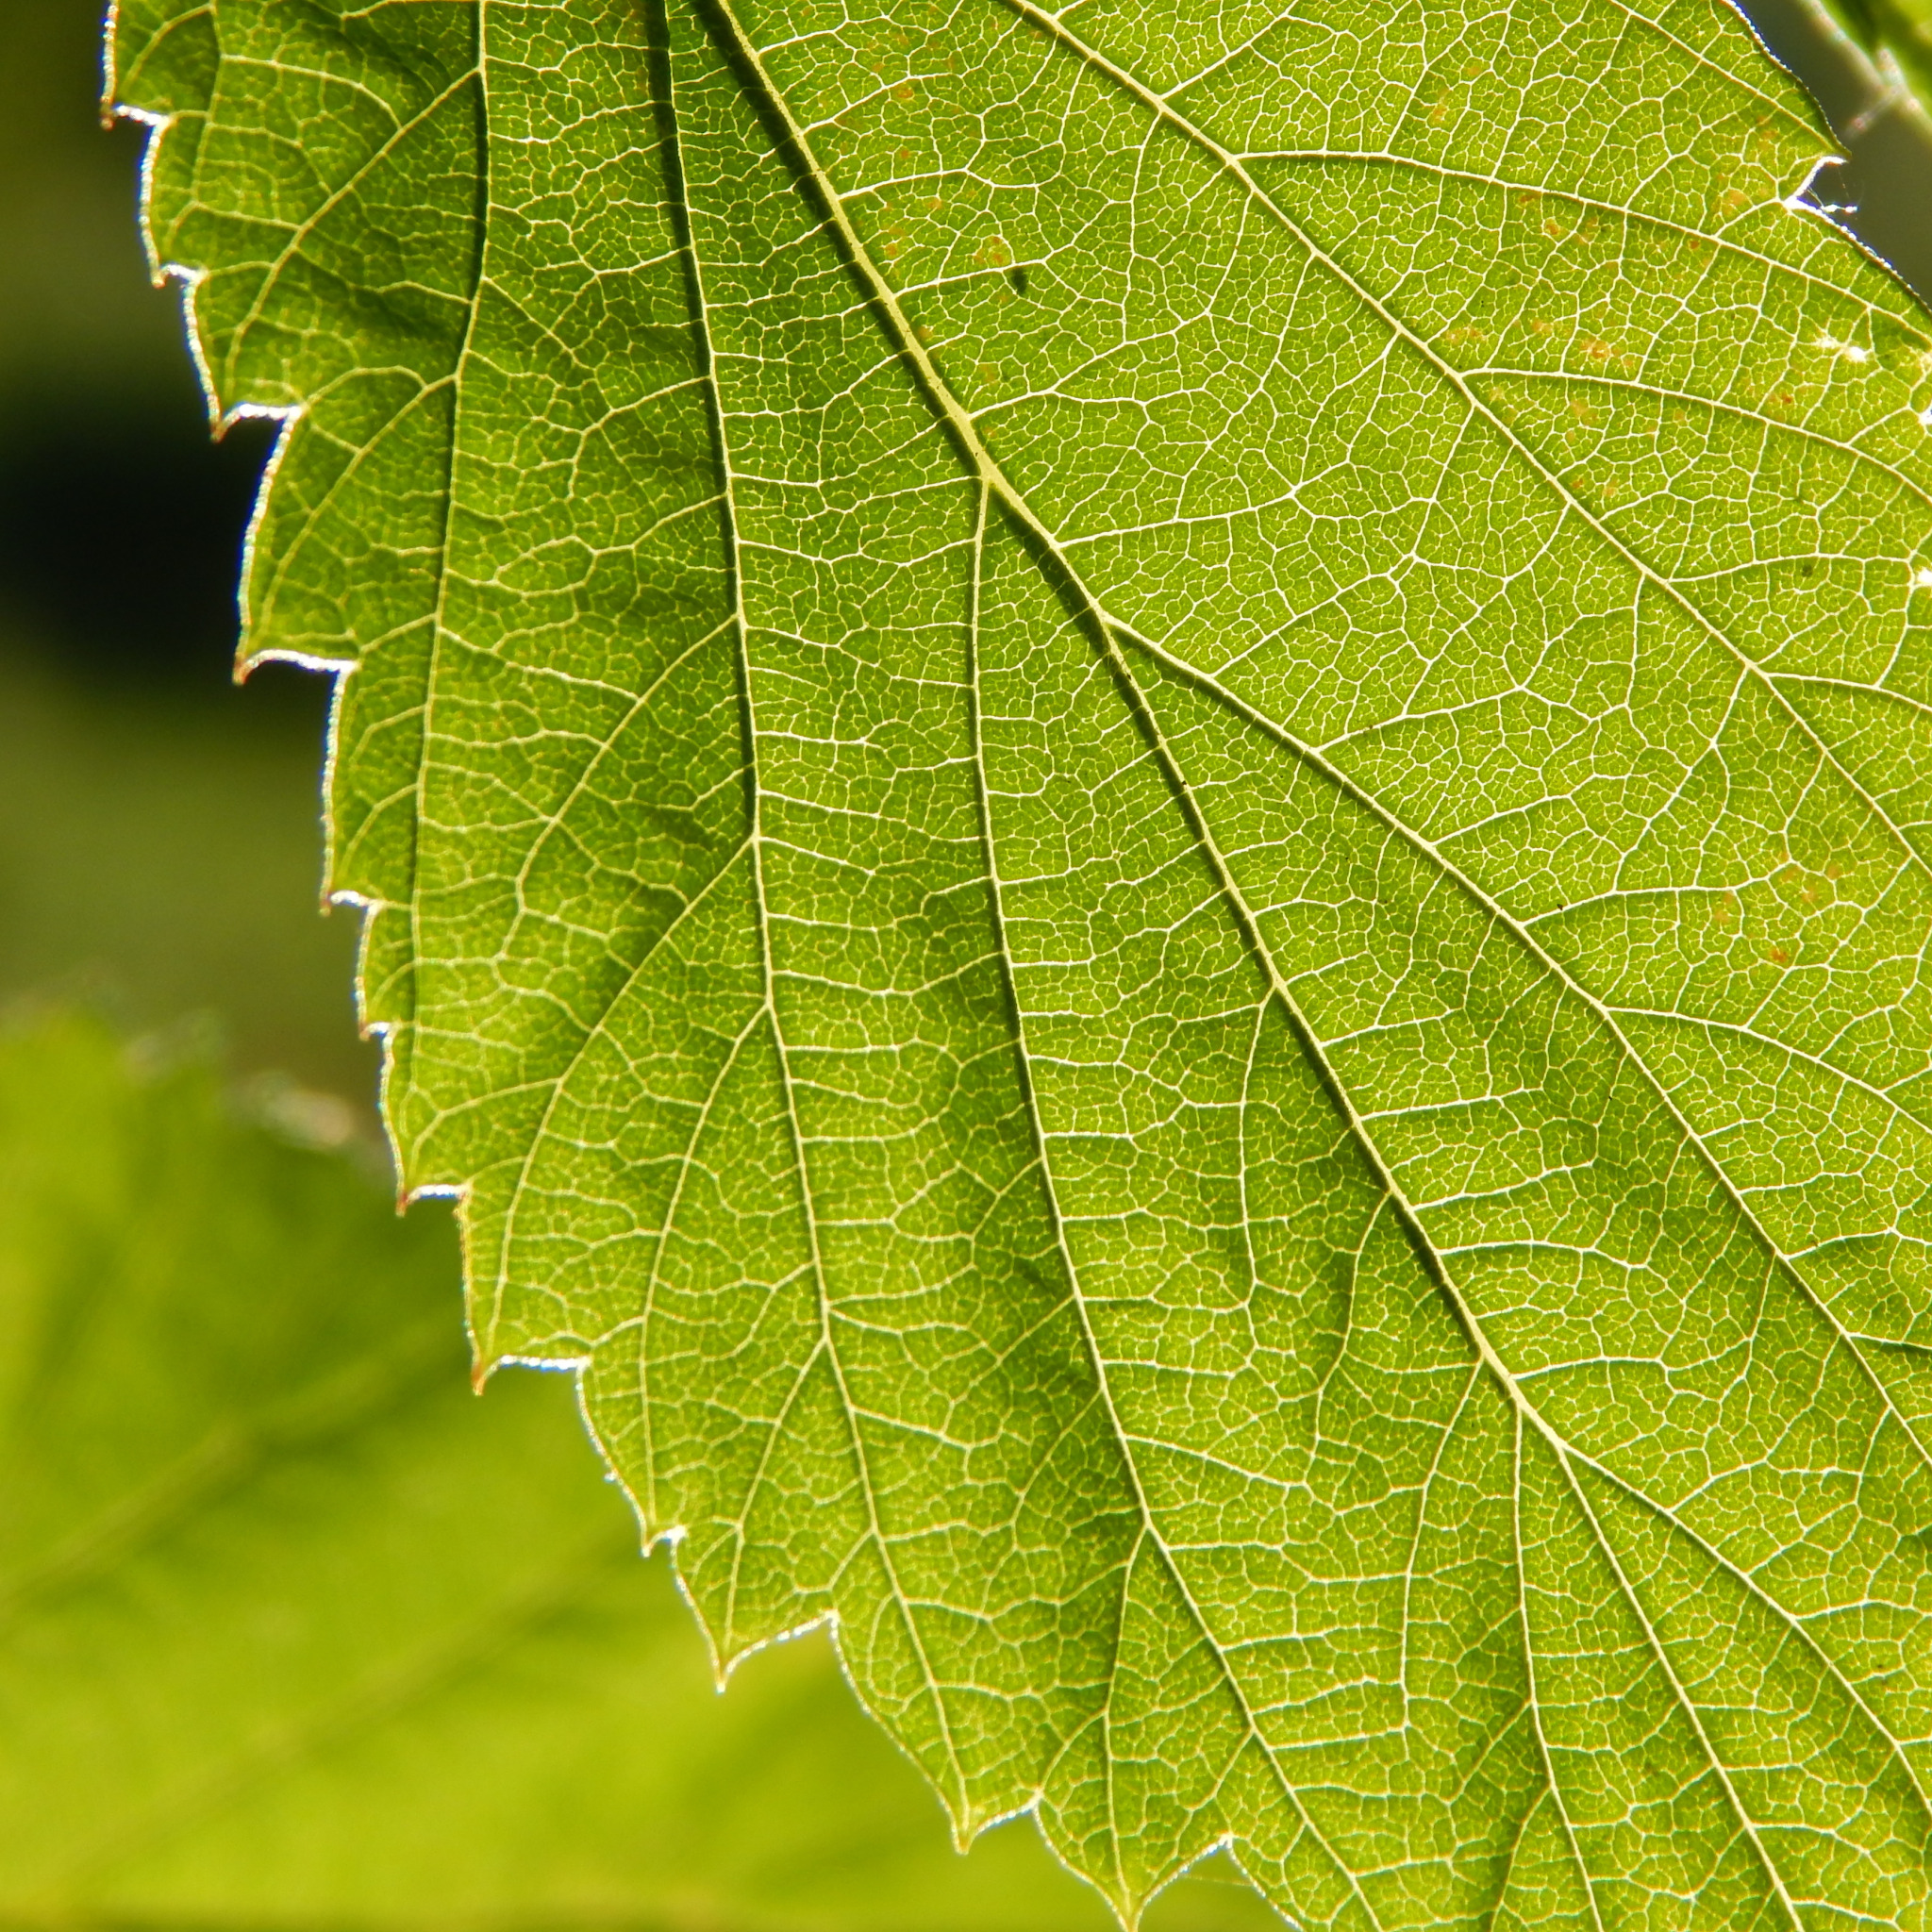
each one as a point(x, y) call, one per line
point(298, 1632)
point(1899, 28)
point(1143, 798)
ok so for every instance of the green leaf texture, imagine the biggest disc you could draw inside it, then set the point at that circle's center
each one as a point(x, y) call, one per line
point(296, 1634)
point(1146, 811)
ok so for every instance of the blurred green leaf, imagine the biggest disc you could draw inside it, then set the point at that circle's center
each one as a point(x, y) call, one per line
point(294, 1631)
point(1901, 29)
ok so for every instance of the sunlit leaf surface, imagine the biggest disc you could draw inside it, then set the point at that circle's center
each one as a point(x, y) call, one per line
point(1144, 796)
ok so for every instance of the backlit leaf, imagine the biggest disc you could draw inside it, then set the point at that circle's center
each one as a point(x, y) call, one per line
point(1143, 796)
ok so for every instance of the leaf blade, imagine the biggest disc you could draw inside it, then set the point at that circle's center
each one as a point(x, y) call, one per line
point(1183, 682)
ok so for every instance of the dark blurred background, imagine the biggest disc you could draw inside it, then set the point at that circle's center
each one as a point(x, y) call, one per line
point(160, 849)
point(159, 843)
